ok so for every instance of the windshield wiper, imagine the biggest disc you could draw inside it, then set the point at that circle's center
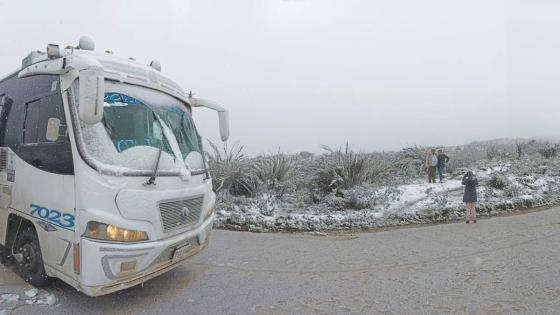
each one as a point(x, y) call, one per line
point(152, 179)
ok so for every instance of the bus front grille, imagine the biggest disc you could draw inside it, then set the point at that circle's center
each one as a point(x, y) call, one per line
point(180, 213)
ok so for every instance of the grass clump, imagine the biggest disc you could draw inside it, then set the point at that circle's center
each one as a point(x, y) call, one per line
point(497, 182)
point(346, 169)
point(275, 170)
point(548, 151)
point(231, 170)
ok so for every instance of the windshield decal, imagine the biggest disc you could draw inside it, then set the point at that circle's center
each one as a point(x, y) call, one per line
point(118, 99)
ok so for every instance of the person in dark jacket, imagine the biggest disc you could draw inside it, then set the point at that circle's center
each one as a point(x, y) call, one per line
point(442, 158)
point(469, 197)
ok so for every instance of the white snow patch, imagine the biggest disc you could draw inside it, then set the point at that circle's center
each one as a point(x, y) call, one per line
point(415, 192)
point(50, 299)
point(9, 298)
point(32, 292)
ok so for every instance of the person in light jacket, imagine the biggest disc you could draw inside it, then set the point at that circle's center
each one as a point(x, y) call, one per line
point(469, 197)
point(431, 163)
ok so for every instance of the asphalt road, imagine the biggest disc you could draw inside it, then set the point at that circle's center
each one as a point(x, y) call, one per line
point(505, 265)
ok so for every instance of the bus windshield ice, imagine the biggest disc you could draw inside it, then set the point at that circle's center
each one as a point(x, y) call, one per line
point(137, 122)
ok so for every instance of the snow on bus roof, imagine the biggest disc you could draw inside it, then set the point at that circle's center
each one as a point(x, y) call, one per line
point(135, 71)
point(123, 69)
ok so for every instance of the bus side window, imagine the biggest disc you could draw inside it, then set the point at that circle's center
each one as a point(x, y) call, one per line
point(29, 104)
point(37, 115)
point(46, 152)
point(5, 107)
point(30, 122)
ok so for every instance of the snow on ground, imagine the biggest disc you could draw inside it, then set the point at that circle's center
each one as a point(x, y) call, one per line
point(370, 206)
point(33, 296)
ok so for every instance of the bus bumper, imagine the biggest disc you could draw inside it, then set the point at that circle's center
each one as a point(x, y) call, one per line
point(110, 267)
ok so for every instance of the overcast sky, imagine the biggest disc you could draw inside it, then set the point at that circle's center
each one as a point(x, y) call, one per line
point(297, 74)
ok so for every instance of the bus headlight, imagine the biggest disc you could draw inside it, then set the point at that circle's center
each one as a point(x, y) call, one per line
point(102, 231)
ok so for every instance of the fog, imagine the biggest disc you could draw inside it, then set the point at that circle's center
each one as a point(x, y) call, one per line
point(298, 74)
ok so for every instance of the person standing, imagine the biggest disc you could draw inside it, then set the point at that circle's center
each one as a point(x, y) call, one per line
point(431, 163)
point(469, 197)
point(442, 158)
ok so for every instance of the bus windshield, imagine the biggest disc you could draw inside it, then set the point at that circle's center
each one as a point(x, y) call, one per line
point(137, 123)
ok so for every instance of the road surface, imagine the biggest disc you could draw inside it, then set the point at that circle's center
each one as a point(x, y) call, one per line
point(504, 265)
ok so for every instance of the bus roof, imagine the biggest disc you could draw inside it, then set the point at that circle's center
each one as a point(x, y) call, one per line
point(116, 68)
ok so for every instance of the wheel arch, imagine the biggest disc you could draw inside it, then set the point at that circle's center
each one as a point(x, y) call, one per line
point(16, 224)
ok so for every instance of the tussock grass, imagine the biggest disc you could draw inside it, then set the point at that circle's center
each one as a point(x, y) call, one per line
point(275, 170)
point(345, 169)
point(231, 171)
point(548, 151)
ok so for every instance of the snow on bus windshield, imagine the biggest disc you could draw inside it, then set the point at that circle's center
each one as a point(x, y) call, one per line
point(138, 122)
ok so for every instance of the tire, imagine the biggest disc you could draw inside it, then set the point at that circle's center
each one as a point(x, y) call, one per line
point(31, 268)
point(4, 255)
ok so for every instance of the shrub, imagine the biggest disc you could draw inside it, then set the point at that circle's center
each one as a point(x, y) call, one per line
point(512, 190)
point(548, 151)
point(527, 180)
point(492, 152)
point(497, 182)
point(519, 147)
point(231, 171)
point(488, 194)
point(348, 169)
point(441, 200)
point(274, 170)
point(306, 155)
point(354, 202)
point(461, 158)
point(412, 159)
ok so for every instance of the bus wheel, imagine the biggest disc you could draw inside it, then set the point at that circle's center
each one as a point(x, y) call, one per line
point(29, 258)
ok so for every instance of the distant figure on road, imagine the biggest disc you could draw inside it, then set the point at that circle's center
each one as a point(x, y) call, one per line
point(431, 163)
point(442, 158)
point(469, 197)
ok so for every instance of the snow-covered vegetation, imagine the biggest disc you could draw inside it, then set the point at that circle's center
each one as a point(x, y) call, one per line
point(343, 189)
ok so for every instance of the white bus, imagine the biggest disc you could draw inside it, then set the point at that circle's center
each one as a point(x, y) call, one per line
point(104, 183)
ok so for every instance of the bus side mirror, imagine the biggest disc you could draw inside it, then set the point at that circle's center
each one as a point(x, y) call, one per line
point(91, 94)
point(53, 127)
point(223, 114)
point(223, 118)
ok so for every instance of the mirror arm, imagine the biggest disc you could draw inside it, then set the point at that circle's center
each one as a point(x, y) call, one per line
point(200, 102)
